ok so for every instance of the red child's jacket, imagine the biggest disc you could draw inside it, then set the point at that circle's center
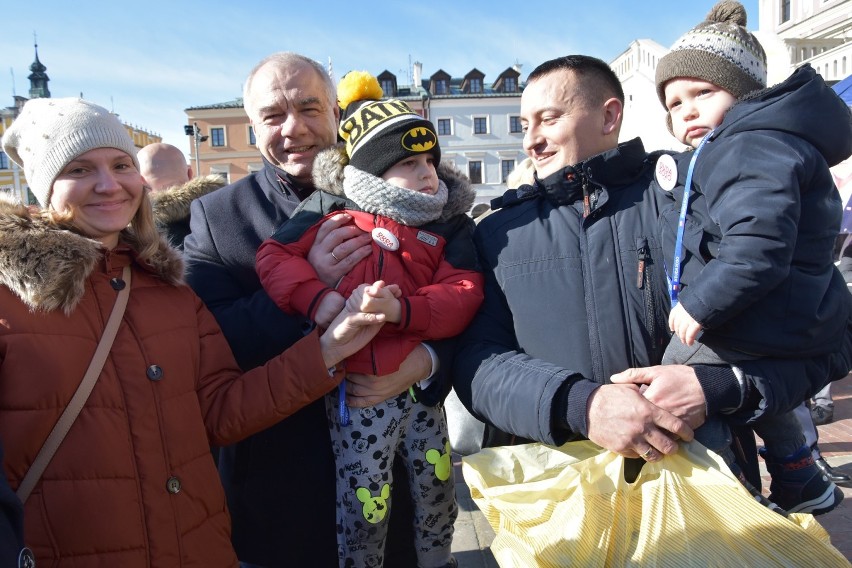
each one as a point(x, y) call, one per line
point(441, 290)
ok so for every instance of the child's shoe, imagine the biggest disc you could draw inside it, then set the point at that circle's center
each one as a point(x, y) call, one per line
point(799, 486)
point(757, 495)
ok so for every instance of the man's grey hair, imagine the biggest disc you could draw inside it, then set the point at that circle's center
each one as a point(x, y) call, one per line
point(287, 59)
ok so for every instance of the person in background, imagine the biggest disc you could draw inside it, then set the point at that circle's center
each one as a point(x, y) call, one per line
point(752, 234)
point(173, 189)
point(811, 433)
point(163, 166)
point(276, 507)
point(133, 483)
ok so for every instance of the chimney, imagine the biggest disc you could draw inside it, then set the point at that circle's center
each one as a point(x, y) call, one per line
point(418, 73)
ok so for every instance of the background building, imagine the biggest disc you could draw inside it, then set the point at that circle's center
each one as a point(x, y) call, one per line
point(224, 142)
point(644, 115)
point(794, 32)
point(478, 124)
point(12, 179)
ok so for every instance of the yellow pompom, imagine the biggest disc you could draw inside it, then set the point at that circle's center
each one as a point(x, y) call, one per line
point(358, 86)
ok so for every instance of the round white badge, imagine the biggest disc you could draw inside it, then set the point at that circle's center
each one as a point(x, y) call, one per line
point(666, 172)
point(385, 238)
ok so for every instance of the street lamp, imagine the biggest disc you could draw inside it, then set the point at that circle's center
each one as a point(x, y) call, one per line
point(193, 130)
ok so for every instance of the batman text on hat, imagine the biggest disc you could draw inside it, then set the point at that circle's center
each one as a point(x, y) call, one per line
point(370, 115)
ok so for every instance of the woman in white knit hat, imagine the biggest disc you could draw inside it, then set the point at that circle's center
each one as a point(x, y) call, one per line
point(132, 484)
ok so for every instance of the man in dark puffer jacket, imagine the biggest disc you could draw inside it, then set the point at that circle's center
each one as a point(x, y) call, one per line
point(575, 292)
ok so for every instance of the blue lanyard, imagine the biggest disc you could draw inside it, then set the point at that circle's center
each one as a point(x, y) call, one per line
point(341, 404)
point(681, 222)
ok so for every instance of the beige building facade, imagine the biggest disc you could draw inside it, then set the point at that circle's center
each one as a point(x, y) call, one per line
point(224, 143)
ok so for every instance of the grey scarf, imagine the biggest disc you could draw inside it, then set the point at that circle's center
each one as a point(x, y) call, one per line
point(405, 206)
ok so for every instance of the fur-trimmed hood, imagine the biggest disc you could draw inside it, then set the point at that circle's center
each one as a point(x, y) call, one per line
point(46, 264)
point(328, 174)
point(173, 204)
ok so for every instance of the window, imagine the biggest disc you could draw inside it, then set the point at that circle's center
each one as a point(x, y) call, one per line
point(506, 167)
point(480, 125)
point(4, 161)
point(387, 87)
point(515, 124)
point(510, 85)
point(445, 127)
point(474, 171)
point(441, 87)
point(251, 139)
point(785, 11)
point(222, 170)
point(217, 137)
point(476, 85)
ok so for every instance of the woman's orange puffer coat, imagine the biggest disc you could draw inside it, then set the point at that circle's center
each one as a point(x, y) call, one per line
point(133, 484)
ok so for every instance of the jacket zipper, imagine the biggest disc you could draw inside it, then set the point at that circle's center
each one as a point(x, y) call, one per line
point(588, 291)
point(643, 283)
point(640, 271)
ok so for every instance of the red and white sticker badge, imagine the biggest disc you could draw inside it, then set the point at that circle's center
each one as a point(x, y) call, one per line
point(666, 172)
point(385, 238)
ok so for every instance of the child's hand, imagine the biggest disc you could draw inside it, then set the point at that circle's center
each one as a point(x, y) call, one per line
point(377, 298)
point(682, 324)
point(331, 305)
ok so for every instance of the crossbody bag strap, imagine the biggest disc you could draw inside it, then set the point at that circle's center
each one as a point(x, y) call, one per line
point(69, 415)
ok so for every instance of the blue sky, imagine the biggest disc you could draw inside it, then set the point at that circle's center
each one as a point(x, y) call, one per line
point(150, 60)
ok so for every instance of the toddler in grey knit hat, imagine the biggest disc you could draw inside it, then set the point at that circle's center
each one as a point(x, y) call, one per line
point(749, 238)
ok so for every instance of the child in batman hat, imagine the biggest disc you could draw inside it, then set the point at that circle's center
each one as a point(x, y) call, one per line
point(422, 273)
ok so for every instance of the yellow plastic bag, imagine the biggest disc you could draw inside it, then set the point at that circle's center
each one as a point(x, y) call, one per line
point(570, 506)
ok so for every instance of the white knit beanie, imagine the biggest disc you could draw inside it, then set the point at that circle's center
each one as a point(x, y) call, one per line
point(49, 133)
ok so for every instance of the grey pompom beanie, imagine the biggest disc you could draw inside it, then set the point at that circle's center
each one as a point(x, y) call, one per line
point(719, 50)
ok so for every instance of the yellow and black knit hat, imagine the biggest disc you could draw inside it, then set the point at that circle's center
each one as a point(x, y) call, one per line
point(379, 133)
point(719, 50)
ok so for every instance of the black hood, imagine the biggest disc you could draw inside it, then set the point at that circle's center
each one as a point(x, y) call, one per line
point(802, 105)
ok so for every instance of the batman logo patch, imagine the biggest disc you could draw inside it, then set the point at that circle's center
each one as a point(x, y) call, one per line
point(419, 139)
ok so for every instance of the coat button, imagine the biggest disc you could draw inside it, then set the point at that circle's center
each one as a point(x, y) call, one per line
point(154, 372)
point(26, 559)
point(117, 284)
point(173, 485)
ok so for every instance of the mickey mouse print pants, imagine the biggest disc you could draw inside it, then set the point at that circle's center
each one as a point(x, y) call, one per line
point(364, 450)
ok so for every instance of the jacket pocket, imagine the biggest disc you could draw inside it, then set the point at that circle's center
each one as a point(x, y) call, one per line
point(652, 284)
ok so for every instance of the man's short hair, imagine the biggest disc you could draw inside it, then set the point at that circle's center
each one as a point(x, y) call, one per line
point(598, 72)
point(286, 59)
